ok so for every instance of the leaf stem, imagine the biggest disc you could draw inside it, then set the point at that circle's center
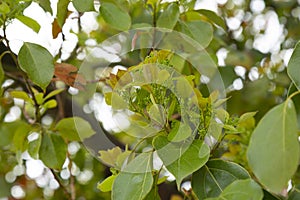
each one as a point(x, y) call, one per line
point(293, 95)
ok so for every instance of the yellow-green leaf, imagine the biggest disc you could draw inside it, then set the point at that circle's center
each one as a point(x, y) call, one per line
point(31, 23)
point(106, 185)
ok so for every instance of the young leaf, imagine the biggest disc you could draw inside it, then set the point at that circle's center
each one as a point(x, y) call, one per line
point(31, 23)
point(181, 159)
point(21, 95)
point(4, 8)
point(110, 156)
point(293, 66)
point(106, 185)
point(84, 6)
point(53, 150)
point(273, 151)
point(115, 16)
point(37, 62)
point(53, 93)
point(62, 12)
point(74, 129)
point(46, 5)
point(50, 104)
point(169, 17)
point(215, 176)
point(241, 189)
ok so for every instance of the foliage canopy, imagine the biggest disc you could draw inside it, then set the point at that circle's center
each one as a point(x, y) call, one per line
point(184, 89)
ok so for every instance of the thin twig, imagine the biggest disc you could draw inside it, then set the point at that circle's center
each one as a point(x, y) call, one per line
point(56, 177)
point(72, 179)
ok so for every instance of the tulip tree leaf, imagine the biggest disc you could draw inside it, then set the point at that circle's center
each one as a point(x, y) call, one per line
point(273, 151)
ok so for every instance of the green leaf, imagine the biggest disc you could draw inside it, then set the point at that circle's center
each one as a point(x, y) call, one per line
point(19, 139)
point(34, 147)
point(31, 23)
point(294, 194)
point(153, 194)
point(293, 66)
point(53, 151)
point(62, 12)
point(181, 159)
point(181, 131)
point(215, 176)
point(138, 171)
point(200, 31)
point(37, 62)
point(106, 185)
point(212, 16)
point(169, 17)
point(140, 185)
point(241, 190)
point(8, 130)
point(74, 129)
point(273, 151)
point(115, 16)
point(46, 5)
point(84, 6)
